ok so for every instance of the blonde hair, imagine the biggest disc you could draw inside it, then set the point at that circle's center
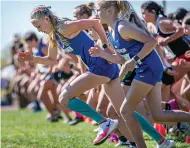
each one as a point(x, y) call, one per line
point(86, 9)
point(42, 11)
point(125, 11)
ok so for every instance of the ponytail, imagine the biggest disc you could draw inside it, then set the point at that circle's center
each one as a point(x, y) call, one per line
point(128, 13)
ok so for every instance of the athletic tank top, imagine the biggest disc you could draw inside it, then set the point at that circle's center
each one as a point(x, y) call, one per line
point(129, 49)
point(80, 45)
point(179, 46)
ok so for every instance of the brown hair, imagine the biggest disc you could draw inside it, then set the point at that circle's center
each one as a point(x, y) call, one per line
point(86, 9)
point(186, 20)
point(29, 36)
point(152, 6)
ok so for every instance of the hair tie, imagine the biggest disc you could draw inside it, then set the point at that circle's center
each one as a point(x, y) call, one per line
point(47, 11)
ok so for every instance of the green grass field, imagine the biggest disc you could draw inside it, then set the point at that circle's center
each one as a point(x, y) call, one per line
point(25, 129)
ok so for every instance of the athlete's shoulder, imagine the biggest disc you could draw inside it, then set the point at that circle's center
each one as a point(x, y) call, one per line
point(124, 25)
point(62, 27)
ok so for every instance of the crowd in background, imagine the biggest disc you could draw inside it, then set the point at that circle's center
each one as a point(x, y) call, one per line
point(37, 87)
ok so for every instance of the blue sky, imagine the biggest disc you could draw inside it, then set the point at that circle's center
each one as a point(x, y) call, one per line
point(15, 14)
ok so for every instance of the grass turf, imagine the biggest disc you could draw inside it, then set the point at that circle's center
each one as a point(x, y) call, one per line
point(25, 129)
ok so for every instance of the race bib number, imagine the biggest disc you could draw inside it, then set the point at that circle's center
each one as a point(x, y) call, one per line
point(126, 57)
point(68, 49)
